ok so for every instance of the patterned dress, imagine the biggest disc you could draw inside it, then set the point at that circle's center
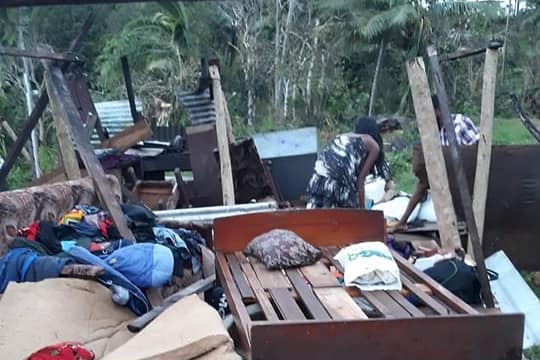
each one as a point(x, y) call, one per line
point(333, 185)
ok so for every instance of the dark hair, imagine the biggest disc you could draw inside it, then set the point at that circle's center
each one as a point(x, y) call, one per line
point(368, 126)
point(435, 101)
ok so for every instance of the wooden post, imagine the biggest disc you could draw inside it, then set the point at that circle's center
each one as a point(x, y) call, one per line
point(65, 142)
point(483, 158)
point(129, 88)
point(431, 145)
point(65, 109)
point(461, 178)
point(13, 136)
point(39, 107)
point(227, 183)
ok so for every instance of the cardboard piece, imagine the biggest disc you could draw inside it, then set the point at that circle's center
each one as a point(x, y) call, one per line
point(189, 329)
point(35, 315)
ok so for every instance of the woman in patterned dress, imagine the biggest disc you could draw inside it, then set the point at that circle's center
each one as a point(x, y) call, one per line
point(341, 168)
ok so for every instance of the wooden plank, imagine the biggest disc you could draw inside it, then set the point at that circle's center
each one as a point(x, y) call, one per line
point(240, 315)
point(425, 298)
point(480, 337)
point(239, 279)
point(449, 299)
point(39, 54)
point(306, 295)
point(260, 294)
point(318, 275)
point(227, 183)
point(405, 304)
point(339, 304)
point(19, 3)
point(36, 113)
point(61, 101)
point(9, 131)
point(385, 304)
point(269, 278)
point(286, 304)
point(459, 170)
point(483, 159)
point(128, 137)
point(431, 146)
point(63, 133)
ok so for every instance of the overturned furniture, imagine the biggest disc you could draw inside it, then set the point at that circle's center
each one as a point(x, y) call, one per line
point(307, 314)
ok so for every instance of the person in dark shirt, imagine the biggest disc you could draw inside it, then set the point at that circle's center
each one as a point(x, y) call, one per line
point(341, 168)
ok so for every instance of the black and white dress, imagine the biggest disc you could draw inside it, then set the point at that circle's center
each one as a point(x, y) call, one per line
point(333, 185)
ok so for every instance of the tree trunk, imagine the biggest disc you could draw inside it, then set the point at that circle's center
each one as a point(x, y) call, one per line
point(28, 96)
point(281, 85)
point(375, 79)
point(312, 65)
point(277, 42)
point(505, 40)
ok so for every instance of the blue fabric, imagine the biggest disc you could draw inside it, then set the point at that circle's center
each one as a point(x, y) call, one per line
point(146, 265)
point(138, 303)
point(84, 228)
point(88, 209)
point(23, 264)
point(184, 241)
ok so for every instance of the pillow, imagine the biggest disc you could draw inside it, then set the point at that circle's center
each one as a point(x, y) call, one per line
point(281, 249)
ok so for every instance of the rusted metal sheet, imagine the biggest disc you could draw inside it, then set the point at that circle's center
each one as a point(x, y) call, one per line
point(513, 202)
point(479, 337)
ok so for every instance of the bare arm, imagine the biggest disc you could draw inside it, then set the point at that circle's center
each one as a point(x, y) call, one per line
point(372, 149)
point(419, 193)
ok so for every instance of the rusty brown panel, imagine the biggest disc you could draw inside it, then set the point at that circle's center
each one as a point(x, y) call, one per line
point(481, 337)
point(202, 140)
point(325, 227)
point(513, 202)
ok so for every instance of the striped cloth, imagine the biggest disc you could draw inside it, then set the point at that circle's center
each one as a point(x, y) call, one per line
point(466, 131)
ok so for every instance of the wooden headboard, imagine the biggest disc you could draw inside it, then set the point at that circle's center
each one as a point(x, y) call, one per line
point(325, 227)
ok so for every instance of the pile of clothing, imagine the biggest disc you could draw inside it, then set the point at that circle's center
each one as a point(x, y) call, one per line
point(86, 235)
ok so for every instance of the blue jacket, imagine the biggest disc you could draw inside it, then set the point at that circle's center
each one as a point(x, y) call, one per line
point(23, 264)
point(146, 265)
point(138, 303)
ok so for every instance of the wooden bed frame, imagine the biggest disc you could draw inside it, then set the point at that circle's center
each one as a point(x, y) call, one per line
point(309, 315)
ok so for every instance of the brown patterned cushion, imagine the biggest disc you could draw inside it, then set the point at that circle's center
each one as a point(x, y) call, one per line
point(281, 249)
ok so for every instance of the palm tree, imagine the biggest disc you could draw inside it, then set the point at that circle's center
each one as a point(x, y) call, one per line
point(406, 24)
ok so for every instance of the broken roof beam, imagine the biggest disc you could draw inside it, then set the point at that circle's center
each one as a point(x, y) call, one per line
point(39, 54)
point(39, 107)
point(17, 3)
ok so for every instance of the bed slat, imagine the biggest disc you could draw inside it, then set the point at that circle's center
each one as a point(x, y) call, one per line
point(259, 292)
point(305, 292)
point(239, 278)
point(286, 304)
point(339, 304)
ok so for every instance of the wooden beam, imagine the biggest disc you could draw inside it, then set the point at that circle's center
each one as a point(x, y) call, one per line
point(39, 107)
point(431, 145)
point(459, 170)
point(19, 3)
point(128, 137)
point(227, 183)
point(129, 88)
point(61, 100)
point(39, 54)
point(63, 134)
point(483, 160)
point(533, 130)
point(9, 131)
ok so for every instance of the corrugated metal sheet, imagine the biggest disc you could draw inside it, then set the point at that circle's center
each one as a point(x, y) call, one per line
point(115, 116)
point(287, 143)
point(214, 212)
point(199, 106)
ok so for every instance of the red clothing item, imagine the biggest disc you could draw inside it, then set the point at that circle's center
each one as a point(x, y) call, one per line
point(63, 351)
point(30, 232)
